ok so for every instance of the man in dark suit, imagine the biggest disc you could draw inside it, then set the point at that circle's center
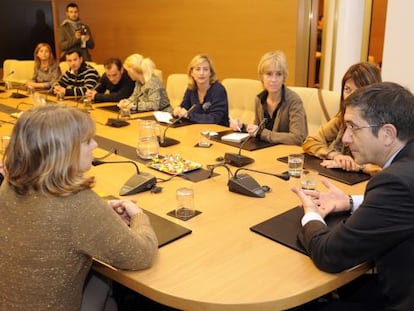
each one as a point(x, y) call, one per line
point(115, 84)
point(379, 122)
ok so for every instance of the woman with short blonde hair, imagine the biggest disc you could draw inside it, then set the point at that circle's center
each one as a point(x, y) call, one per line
point(280, 117)
point(272, 60)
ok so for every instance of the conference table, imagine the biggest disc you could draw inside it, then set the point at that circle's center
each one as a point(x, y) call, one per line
point(221, 265)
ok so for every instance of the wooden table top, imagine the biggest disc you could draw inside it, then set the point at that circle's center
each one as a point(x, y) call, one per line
point(221, 265)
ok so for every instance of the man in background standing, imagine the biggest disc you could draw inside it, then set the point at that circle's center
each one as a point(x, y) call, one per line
point(74, 35)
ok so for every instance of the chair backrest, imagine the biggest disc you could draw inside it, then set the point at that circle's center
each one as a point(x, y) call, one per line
point(241, 94)
point(314, 112)
point(100, 68)
point(19, 71)
point(176, 85)
point(331, 100)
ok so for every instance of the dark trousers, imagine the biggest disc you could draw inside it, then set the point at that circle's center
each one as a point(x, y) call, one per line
point(362, 294)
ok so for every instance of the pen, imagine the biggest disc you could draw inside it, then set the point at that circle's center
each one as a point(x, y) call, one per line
point(237, 124)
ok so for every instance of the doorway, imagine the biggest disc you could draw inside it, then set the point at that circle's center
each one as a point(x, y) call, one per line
point(316, 38)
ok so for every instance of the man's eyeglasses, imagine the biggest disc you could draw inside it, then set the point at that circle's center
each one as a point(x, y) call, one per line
point(353, 128)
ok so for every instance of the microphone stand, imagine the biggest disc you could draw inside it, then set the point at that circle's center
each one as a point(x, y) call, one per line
point(17, 113)
point(138, 182)
point(237, 159)
point(48, 92)
point(247, 185)
point(87, 103)
point(166, 142)
point(15, 94)
point(212, 167)
point(284, 176)
point(4, 82)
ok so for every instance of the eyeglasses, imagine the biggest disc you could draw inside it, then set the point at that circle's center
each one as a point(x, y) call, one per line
point(353, 128)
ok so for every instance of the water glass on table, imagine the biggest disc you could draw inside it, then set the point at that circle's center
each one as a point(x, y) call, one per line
point(185, 203)
point(60, 96)
point(204, 139)
point(309, 179)
point(87, 104)
point(8, 85)
point(4, 143)
point(295, 164)
point(30, 91)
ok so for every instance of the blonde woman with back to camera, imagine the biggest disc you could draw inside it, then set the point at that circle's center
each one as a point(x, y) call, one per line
point(52, 223)
point(278, 109)
point(149, 93)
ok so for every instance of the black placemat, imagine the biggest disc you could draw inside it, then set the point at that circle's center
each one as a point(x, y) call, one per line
point(172, 214)
point(251, 144)
point(115, 109)
point(122, 149)
point(179, 123)
point(7, 109)
point(349, 178)
point(130, 153)
point(175, 122)
point(165, 230)
point(284, 228)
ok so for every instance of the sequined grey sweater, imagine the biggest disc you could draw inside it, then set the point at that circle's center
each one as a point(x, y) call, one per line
point(47, 244)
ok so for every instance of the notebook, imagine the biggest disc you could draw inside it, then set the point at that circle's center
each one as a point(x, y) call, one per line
point(235, 137)
point(349, 178)
point(284, 228)
point(163, 116)
point(251, 144)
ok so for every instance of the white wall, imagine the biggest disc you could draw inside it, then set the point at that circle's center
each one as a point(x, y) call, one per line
point(398, 57)
point(344, 26)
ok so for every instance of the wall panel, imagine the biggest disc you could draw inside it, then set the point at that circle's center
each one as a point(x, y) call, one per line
point(235, 33)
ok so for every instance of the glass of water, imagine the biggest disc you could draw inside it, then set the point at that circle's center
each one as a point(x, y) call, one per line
point(295, 164)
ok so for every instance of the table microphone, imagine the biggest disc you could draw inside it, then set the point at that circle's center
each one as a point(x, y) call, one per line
point(247, 185)
point(166, 142)
point(15, 94)
point(237, 159)
point(138, 182)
